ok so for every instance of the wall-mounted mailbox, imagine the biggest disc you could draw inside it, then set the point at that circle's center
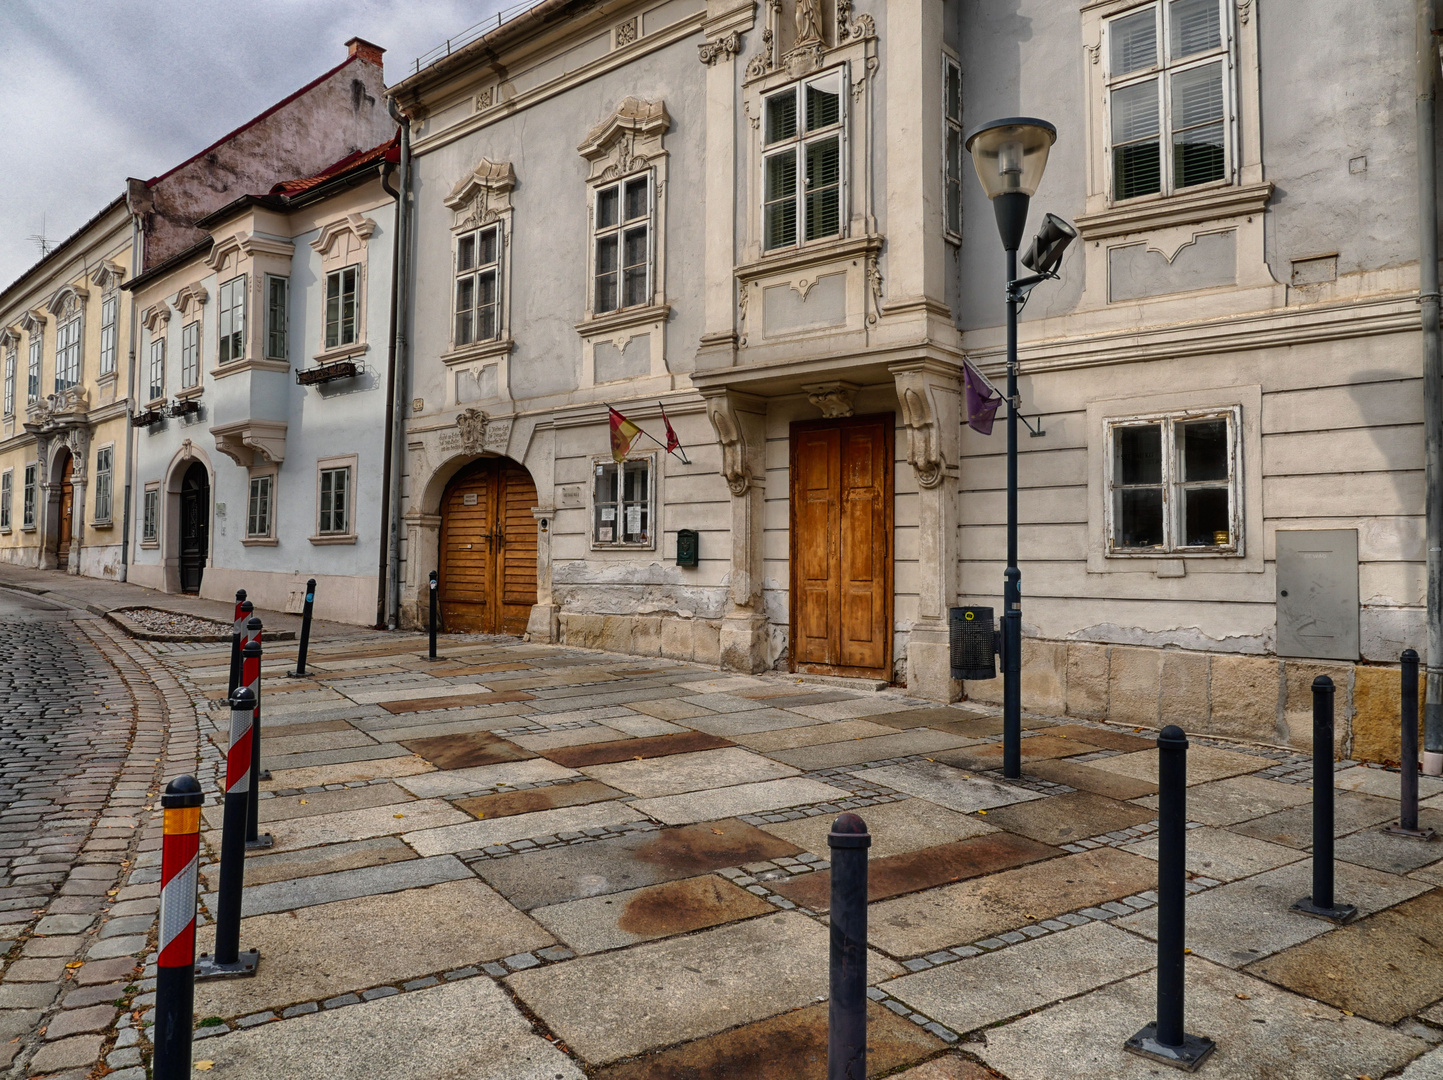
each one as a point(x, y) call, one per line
point(972, 641)
point(687, 547)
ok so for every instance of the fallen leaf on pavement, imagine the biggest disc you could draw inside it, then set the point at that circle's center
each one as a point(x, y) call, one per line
point(205, 1066)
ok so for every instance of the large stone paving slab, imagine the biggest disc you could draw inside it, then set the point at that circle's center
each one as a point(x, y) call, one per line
point(276, 745)
point(1065, 819)
point(544, 741)
point(812, 735)
point(792, 1046)
point(364, 824)
point(1393, 854)
point(983, 990)
point(971, 910)
point(1036, 748)
point(730, 725)
point(895, 827)
point(1091, 777)
point(529, 800)
point(613, 1005)
point(1384, 967)
point(319, 952)
point(735, 801)
point(678, 773)
point(315, 803)
point(1262, 1033)
point(1238, 799)
point(414, 1036)
point(306, 862)
point(947, 786)
point(599, 923)
point(466, 751)
point(278, 762)
point(346, 772)
point(1107, 738)
point(1384, 782)
point(346, 885)
point(461, 781)
point(1294, 827)
point(1226, 856)
point(1247, 920)
point(474, 834)
point(1204, 763)
point(903, 719)
point(912, 871)
point(627, 862)
point(893, 745)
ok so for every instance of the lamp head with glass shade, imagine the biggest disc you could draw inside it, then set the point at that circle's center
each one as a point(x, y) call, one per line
point(1010, 156)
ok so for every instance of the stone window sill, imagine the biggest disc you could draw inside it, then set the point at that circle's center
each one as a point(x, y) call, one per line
point(102, 524)
point(626, 318)
point(807, 255)
point(189, 393)
point(150, 545)
point(235, 367)
point(341, 352)
point(259, 541)
point(338, 538)
point(27, 528)
point(1163, 212)
point(478, 350)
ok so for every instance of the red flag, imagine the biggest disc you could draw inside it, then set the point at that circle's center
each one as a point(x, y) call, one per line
point(672, 442)
point(623, 434)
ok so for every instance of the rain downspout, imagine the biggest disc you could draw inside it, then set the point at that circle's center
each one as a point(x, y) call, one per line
point(1428, 299)
point(387, 170)
point(137, 260)
point(398, 378)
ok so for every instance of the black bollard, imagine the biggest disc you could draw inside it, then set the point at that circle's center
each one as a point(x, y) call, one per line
point(847, 1009)
point(431, 655)
point(228, 961)
point(1408, 756)
point(175, 962)
point(235, 643)
point(305, 630)
point(1165, 1040)
point(1322, 904)
point(251, 680)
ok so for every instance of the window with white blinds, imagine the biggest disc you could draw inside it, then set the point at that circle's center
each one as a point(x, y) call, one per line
point(803, 173)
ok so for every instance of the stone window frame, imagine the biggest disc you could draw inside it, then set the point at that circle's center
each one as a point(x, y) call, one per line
point(840, 72)
point(343, 244)
point(351, 464)
point(7, 499)
point(156, 321)
point(599, 462)
point(273, 335)
point(190, 302)
point(33, 323)
point(30, 496)
point(104, 487)
point(251, 257)
point(482, 199)
point(253, 474)
point(68, 307)
point(10, 342)
point(953, 170)
point(150, 515)
point(109, 333)
point(1246, 401)
point(230, 309)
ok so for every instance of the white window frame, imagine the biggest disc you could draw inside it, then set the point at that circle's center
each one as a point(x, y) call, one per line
point(68, 338)
point(1172, 485)
point(150, 515)
point(600, 465)
point(1163, 71)
point(475, 272)
point(190, 355)
point(797, 144)
point(347, 466)
point(104, 483)
point(278, 317)
point(600, 233)
point(7, 496)
point(109, 333)
point(12, 360)
point(31, 480)
point(953, 167)
point(261, 480)
point(32, 373)
point(156, 390)
point(340, 322)
point(231, 320)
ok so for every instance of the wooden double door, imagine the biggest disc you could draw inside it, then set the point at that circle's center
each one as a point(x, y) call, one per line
point(488, 549)
point(67, 513)
point(841, 546)
point(194, 527)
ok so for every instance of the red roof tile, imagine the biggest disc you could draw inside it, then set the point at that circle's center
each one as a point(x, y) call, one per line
point(389, 150)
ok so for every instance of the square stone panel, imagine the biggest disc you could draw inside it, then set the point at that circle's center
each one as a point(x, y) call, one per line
point(319, 952)
point(913, 871)
point(599, 923)
point(1065, 819)
point(1226, 856)
point(1204, 763)
point(613, 1005)
point(1393, 854)
point(971, 910)
point(1092, 776)
point(686, 742)
point(950, 787)
point(629, 862)
point(1248, 920)
point(1384, 967)
point(677, 773)
point(1262, 1033)
point(467, 751)
point(1037, 748)
point(895, 827)
point(529, 800)
point(412, 1036)
point(792, 1046)
point(982, 990)
point(1237, 799)
point(1294, 827)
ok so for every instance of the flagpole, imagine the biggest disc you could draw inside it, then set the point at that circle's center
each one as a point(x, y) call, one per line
point(649, 435)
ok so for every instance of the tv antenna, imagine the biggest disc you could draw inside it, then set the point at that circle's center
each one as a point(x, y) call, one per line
point(41, 240)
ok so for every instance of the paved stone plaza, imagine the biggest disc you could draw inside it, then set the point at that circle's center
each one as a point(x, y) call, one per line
point(534, 862)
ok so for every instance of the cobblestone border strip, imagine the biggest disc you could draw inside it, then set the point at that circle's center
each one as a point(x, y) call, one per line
point(561, 839)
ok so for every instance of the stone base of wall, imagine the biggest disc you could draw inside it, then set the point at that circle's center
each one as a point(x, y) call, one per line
point(1258, 698)
point(645, 635)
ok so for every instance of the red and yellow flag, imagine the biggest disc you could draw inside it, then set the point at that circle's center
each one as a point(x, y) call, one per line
point(623, 434)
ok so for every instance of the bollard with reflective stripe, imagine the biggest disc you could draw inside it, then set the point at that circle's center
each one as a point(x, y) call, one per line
point(251, 679)
point(228, 960)
point(305, 630)
point(175, 963)
point(235, 643)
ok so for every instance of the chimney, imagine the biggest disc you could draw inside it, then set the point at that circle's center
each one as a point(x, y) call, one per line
point(365, 50)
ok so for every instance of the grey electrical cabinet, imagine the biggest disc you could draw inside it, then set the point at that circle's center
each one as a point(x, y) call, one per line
point(1318, 593)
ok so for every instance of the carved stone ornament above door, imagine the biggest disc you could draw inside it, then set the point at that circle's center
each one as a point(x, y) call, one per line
point(833, 398)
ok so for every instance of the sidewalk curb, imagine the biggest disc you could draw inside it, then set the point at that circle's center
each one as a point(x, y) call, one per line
point(140, 633)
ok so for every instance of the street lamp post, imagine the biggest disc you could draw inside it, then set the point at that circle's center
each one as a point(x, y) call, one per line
point(1010, 156)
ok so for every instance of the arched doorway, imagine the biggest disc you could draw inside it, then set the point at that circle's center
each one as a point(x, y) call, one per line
point(66, 517)
point(194, 526)
point(488, 549)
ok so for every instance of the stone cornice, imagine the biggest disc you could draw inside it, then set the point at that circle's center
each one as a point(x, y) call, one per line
point(1213, 204)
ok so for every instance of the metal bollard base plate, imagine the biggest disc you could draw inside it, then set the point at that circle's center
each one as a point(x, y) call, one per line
point(1410, 834)
point(265, 774)
point(245, 965)
point(1338, 913)
point(264, 840)
point(1187, 1057)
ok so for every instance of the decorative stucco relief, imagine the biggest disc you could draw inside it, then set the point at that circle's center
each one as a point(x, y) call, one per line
point(483, 195)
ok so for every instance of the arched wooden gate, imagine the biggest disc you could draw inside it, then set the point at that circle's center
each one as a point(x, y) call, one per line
point(488, 549)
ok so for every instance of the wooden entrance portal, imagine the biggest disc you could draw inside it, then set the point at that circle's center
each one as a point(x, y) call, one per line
point(488, 549)
point(841, 546)
point(67, 513)
point(194, 527)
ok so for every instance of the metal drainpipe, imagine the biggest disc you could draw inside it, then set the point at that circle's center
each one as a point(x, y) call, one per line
point(383, 555)
point(1427, 73)
point(398, 404)
point(137, 237)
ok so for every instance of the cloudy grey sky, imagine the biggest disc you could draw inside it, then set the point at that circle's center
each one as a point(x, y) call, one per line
point(93, 91)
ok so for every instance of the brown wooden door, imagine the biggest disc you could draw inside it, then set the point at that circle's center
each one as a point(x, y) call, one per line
point(841, 546)
point(488, 549)
point(67, 513)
